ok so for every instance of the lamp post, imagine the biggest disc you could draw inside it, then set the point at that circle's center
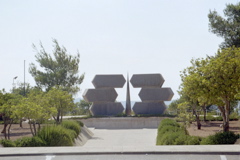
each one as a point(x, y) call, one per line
point(13, 81)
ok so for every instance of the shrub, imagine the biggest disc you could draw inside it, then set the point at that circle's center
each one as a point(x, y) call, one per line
point(209, 118)
point(172, 133)
point(208, 140)
point(220, 138)
point(182, 139)
point(167, 139)
point(72, 134)
point(194, 140)
point(165, 129)
point(168, 122)
point(80, 123)
point(7, 143)
point(73, 125)
point(56, 136)
point(30, 142)
point(219, 118)
point(233, 116)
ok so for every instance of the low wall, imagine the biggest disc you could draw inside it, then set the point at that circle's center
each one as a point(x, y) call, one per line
point(83, 137)
point(123, 122)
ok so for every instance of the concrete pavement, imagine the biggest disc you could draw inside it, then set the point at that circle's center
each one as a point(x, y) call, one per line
point(122, 138)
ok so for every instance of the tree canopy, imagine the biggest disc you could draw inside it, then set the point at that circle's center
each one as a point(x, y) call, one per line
point(228, 28)
point(60, 70)
point(8, 114)
point(35, 108)
point(214, 80)
point(62, 101)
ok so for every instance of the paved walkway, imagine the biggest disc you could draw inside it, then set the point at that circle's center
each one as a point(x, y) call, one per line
point(122, 137)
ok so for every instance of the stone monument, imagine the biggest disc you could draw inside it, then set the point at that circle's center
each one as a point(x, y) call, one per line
point(128, 109)
point(104, 95)
point(151, 94)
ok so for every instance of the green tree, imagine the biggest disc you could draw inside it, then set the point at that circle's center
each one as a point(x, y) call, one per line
point(221, 78)
point(82, 108)
point(62, 101)
point(22, 89)
point(227, 28)
point(173, 106)
point(216, 81)
point(191, 88)
point(61, 70)
point(7, 101)
point(35, 108)
point(185, 114)
point(190, 101)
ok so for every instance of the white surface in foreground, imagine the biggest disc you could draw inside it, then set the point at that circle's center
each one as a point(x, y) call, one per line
point(122, 137)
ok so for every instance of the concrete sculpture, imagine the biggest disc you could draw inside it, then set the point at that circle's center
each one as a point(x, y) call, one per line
point(128, 109)
point(104, 95)
point(109, 81)
point(155, 94)
point(147, 80)
point(100, 95)
point(151, 94)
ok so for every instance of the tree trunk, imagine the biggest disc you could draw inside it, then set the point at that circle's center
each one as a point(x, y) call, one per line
point(58, 115)
point(225, 116)
point(198, 123)
point(204, 113)
point(34, 129)
point(4, 131)
point(20, 124)
point(8, 134)
point(227, 111)
point(226, 126)
point(61, 117)
point(5, 120)
point(39, 126)
point(31, 127)
point(197, 119)
point(4, 127)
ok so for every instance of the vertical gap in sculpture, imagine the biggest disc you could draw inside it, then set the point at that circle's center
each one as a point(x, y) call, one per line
point(128, 101)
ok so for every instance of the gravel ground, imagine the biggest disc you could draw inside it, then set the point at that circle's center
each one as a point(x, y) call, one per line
point(212, 127)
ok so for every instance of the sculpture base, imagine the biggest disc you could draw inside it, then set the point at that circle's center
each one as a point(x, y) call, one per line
point(123, 122)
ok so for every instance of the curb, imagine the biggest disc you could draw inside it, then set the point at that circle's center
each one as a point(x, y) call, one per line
point(121, 153)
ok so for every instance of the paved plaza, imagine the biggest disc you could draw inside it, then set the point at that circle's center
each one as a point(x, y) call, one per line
point(122, 137)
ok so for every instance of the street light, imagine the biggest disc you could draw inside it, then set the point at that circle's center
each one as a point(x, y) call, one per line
point(13, 80)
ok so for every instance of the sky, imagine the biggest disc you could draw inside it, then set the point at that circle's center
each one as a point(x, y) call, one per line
point(112, 37)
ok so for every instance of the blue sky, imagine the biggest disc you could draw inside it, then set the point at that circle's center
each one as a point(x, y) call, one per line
point(112, 36)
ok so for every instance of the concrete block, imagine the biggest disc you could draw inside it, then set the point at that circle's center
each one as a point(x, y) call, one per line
point(108, 81)
point(155, 94)
point(147, 80)
point(106, 109)
point(149, 108)
point(123, 122)
point(100, 95)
